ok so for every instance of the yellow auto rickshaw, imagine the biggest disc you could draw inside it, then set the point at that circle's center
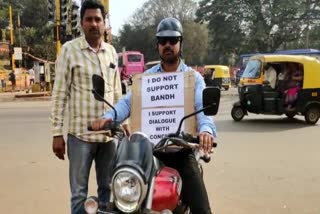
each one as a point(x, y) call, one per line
point(292, 89)
point(217, 75)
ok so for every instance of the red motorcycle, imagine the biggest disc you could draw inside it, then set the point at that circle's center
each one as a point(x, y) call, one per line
point(140, 182)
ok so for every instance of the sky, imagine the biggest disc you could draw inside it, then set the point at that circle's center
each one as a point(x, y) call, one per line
point(121, 10)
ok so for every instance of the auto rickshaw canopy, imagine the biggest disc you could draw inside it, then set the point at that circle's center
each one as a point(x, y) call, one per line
point(221, 71)
point(311, 66)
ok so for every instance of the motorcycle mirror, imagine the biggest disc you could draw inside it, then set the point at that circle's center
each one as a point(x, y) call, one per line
point(211, 100)
point(98, 87)
point(98, 92)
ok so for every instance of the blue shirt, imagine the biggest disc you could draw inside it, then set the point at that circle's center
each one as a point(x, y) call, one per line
point(205, 123)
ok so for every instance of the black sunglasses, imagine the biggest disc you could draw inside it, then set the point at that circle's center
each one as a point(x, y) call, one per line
point(171, 40)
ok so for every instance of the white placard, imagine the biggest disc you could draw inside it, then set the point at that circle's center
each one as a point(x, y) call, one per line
point(17, 53)
point(156, 123)
point(17, 70)
point(165, 89)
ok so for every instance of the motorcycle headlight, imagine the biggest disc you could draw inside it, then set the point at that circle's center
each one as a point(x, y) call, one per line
point(129, 189)
point(91, 205)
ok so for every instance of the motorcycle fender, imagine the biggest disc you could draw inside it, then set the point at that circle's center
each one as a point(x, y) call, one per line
point(237, 104)
point(167, 190)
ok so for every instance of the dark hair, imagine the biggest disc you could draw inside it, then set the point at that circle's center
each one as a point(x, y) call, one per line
point(92, 4)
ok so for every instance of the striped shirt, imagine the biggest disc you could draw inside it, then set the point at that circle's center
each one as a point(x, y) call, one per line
point(73, 83)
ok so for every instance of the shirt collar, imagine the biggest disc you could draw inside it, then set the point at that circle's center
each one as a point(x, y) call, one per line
point(85, 45)
point(180, 67)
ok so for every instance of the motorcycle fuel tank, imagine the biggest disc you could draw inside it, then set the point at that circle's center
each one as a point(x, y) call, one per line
point(167, 189)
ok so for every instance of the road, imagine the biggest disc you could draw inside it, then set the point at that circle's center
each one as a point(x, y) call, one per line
point(263, 164)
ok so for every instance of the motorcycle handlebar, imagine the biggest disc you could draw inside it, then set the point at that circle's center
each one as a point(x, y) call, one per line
point(185, 140)
point(112, 129)
point(195, 139)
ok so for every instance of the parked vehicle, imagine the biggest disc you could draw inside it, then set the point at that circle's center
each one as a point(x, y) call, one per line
point(256, 95)
point(130, 63)
point(151, 64)
point(220, 76)
point(305, 52)
point(140, 183)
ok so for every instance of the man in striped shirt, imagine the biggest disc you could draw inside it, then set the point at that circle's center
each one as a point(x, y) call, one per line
point(78, 61)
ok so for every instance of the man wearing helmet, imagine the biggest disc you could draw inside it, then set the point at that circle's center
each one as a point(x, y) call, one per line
point(169, 44)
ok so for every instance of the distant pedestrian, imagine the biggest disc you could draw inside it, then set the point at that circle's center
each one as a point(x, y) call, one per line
point(31, 76)
point(12, 79)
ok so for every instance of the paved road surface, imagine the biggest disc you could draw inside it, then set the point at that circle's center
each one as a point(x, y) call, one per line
point(263, 164)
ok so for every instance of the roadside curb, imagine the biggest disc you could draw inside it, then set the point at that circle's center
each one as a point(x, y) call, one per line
point(18, 97)
point(33, 95)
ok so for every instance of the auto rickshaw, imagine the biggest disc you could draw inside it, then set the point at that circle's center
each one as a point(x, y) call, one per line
point(219, 75)
point(257, 96)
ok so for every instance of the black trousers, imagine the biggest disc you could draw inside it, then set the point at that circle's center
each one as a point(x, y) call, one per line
point(194, 192)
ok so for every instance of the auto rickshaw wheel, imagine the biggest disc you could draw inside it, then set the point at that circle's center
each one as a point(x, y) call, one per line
point(290, 114)
point(312, 115)
point(237, 113)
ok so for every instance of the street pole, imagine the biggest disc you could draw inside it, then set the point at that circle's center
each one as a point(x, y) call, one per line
point(19, 28)
point(58, 27)
point(11, 37)
point(107, 34)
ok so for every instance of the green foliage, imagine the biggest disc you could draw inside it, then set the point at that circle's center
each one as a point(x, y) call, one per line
point(223, 28)
point(4, 11)
point(39, 15)
point(139, 39)
point(249, 26)
point(139, 33)
point(35, 33)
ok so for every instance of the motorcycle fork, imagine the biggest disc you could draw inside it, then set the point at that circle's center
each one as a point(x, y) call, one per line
point(150, 193)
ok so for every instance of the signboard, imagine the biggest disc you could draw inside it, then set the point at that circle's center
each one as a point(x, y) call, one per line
point(163, 90)
point(17, 53)
point(17, 70)
point(156, 123)
point(36, 68)
point(160, 101)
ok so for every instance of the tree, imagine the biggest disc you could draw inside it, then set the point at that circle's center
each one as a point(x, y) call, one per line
point(36, 34)
point(141, 39)
point(39, 15)
point(139, 32)
point(4, 12)
point(248, 26)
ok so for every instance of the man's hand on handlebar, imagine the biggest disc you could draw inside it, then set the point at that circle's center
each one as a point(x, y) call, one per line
point(126, 129)
point(205, 141)
point(99, 124)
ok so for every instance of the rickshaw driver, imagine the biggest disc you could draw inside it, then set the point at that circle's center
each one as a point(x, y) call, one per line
point(270, 75)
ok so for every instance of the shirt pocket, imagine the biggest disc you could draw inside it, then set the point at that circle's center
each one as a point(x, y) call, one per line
point(81, 78)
